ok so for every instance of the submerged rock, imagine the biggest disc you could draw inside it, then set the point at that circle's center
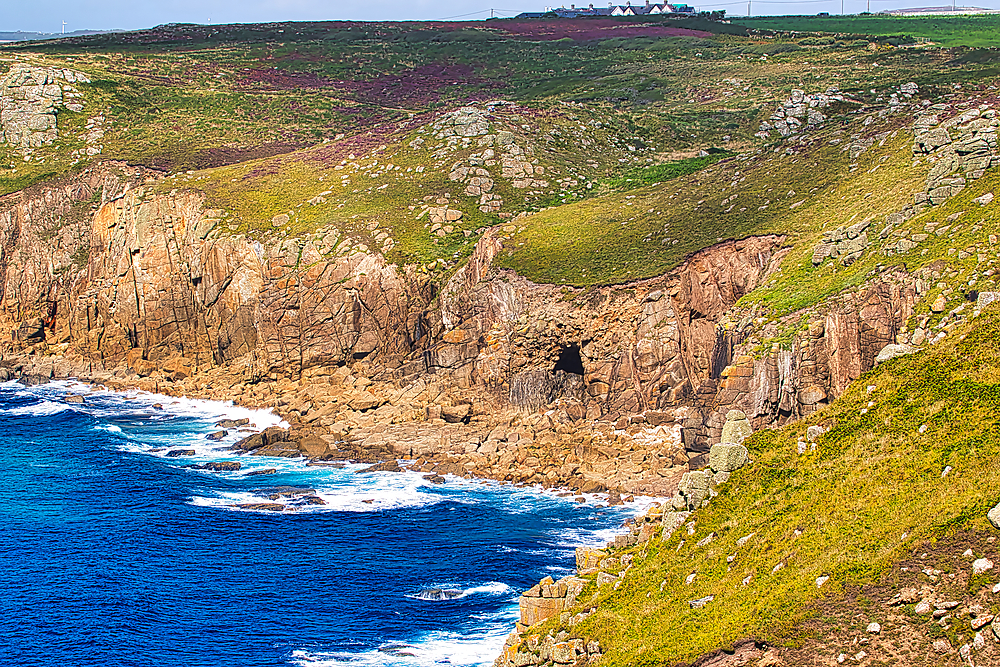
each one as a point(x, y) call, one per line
point(265, 507)
point(437, 594)
point(74, 398)
point(220, 466)
point(289, 492)
point(263, 471)
point(181, 452)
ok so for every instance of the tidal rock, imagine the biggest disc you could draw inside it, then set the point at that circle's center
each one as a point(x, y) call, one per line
point(181, 452)
point(263, 471)
point(289, 492)
point(74, 398)
point(232, 423)
point(392, 465)
point(221, 466)
point(33, 380)
point(218, 435)
point(264, 507)
point(313, 445)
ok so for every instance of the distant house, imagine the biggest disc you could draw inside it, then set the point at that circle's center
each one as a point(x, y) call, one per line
point(649, 9)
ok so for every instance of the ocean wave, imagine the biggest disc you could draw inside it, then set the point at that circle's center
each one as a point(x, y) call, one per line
point(43, 409)
point(345, 492)
point(436, 648)
point(446, 592)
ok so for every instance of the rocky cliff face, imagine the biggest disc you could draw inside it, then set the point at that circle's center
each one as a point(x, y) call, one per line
point(123, 276)
point(111, 274)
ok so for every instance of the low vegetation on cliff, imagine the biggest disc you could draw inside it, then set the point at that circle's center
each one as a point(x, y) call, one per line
point(907, 457)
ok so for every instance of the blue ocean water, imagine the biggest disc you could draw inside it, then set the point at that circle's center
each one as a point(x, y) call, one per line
point(111, 553)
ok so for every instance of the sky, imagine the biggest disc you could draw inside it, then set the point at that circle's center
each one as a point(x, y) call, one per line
point(132, 14)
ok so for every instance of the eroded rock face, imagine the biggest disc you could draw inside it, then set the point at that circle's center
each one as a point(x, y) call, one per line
point(145, 281)
point(29, 99)
point(617, 350)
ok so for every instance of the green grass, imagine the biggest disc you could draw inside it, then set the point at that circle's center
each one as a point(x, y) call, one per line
point(648, 231)
point(638, 177)
point(974, 31)
point(872, 489)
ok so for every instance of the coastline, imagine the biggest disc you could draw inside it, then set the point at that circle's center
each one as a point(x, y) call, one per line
point(633, 531)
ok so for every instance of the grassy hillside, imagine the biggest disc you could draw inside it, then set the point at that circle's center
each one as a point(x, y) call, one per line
point(873, 488)
point(190, 97)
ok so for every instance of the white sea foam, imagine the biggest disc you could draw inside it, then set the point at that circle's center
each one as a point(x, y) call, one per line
point(444, 592)
point(432, 649)
point(341, 490)
point(43, 409)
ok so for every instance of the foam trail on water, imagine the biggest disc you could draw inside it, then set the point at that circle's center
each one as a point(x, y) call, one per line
point(340, 491)
point(435, 648)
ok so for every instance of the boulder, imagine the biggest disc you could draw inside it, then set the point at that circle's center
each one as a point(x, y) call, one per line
point(218, 435)
point(392, 465)
point(587, 560)
point(727, 457)
point(232, 423)
point(313, 445)
point(693, 488)
point(534, 610)
point(737, 427)
point(74, 398)
point(894, 350)
point(454, 414)
point(994, 516)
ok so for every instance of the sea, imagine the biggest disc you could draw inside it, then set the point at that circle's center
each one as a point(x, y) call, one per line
point(114, 553)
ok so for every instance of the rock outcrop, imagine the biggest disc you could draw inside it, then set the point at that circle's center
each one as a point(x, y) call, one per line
point(29, 100)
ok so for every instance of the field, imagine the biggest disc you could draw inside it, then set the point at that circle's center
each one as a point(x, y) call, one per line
point(967, 31)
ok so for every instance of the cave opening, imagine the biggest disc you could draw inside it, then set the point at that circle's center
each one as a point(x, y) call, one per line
point(569, 360)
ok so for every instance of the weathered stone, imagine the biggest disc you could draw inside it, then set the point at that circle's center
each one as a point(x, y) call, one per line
point(893, 350)
point(994, 516)
point(727, 457)
point(736, 429)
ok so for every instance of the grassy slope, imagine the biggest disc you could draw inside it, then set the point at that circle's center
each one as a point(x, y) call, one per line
point(182, 101)
point(628, 236)
point(872, 489)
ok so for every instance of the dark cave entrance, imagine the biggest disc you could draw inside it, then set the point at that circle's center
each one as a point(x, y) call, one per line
point(569, 360)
